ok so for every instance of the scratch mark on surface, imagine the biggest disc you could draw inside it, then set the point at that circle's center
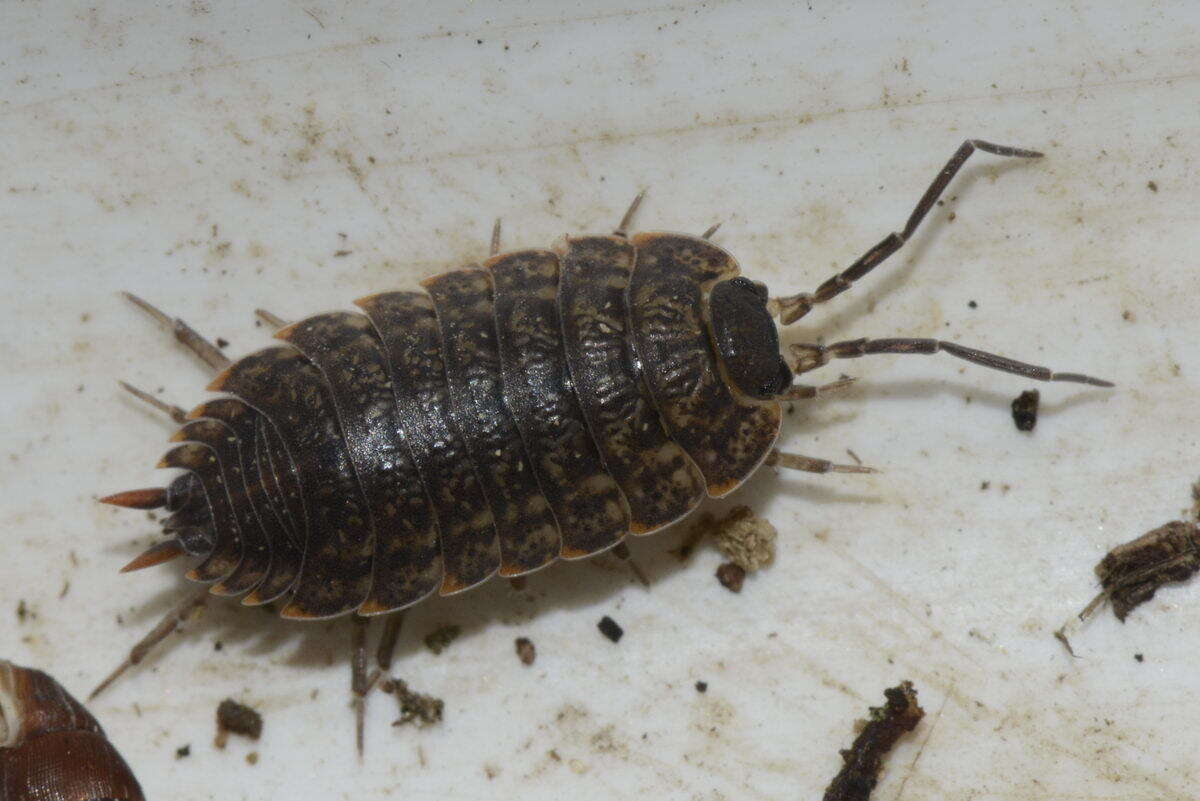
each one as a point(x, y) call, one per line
point(912, 768)
point(900, 600)
point(316, 19)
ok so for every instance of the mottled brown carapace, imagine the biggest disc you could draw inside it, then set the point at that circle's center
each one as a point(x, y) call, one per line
point(542, 405)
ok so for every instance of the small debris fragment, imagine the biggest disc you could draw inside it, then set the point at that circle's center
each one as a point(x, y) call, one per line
point(525, 650)
point(731, 576)
point(22, 611)
point(218, 645)
point(439, 639)
point(252, 758)
point(746, 539)
point(424, 710)
point(222, 342)
point(236, 718)
point(1139, 657)
point(862, 761)
point(1061, 636)
point(183, 751)
point(702, 686)
point(1025, 409)
point(1153, 187)
point(972, 304)
point(609, 628)
point(1131, 573)
point(340, 254)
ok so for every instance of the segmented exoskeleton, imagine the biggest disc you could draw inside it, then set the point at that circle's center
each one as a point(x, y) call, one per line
point(542, 405)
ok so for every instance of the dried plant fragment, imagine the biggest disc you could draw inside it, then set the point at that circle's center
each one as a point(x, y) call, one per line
point(746, 539)
point(862, 761)
point(424, 710)
point(1131, 573)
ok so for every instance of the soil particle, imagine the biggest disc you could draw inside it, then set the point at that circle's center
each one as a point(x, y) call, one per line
point(609, 628)
point(1025, 409)
point(236, 718)
point(731, 576)
point(525, 650)
point(183, 751)
point(702, 686)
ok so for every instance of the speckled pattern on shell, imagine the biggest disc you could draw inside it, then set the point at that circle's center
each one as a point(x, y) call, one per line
point(544, 405)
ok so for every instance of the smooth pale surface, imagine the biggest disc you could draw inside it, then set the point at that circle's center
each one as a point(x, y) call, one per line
point(296, 156)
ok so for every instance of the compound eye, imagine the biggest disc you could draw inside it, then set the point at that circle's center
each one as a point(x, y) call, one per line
point(746, 339)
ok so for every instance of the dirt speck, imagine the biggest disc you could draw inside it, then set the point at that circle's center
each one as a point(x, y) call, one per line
point(609, 628)
point(1025, 410)
point(702, 686)
point(183, 751)
point(731, 576)
point(1152, 186)
point(235, 718)
point(525, 650)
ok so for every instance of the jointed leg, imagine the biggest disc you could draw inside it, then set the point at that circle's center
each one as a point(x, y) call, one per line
point(807, 392)
point(387, 642)
point(187, 336)
point(165, 626)
point(273, 320)
point(793, 307)
point(360, 684)
point(623, 227)
point(170, 410)
point(809, 357)
point(495, 249)
point(794, 461)
point(621, 551)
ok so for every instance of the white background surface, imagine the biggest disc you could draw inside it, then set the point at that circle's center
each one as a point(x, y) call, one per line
point(214, 158)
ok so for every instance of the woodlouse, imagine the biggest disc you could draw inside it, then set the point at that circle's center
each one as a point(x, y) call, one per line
point(51, 748)
point(542, 405)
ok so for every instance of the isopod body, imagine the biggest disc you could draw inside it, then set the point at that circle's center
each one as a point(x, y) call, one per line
point(51, 748)
point(542, 405)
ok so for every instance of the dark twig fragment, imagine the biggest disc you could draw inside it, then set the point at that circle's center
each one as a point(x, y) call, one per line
point(863, 759)
point(1131, 573)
